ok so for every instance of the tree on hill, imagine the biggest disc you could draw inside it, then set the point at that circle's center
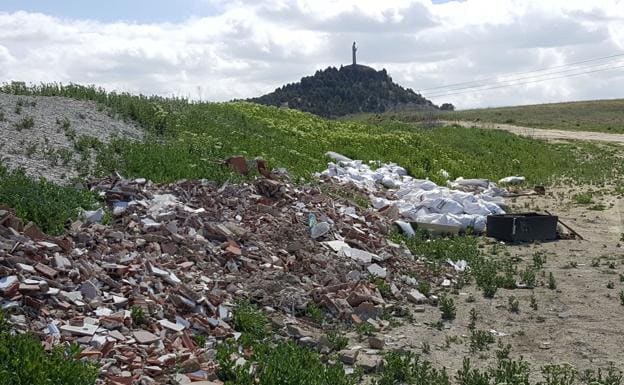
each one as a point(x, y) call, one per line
point(349, 90)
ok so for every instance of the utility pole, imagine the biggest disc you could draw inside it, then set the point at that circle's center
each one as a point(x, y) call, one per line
point(354, 49)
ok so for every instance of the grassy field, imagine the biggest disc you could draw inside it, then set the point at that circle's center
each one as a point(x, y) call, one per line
point(595, 115)
point(188, 140)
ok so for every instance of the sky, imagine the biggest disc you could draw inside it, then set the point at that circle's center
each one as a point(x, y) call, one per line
point(218, 50)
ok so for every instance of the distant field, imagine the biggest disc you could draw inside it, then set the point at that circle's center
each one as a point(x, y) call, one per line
point(598, 115)
point(595, 115)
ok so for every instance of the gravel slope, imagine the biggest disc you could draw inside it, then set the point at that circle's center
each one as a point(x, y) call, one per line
point(47, 148)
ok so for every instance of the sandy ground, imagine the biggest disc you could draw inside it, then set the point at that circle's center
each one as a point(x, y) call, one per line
point(578, 323)
point(546, 134)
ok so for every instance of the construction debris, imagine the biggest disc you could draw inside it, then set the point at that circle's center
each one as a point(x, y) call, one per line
point(174, 259)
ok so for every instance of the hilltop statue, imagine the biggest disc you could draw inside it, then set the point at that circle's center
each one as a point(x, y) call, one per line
point(354, 49)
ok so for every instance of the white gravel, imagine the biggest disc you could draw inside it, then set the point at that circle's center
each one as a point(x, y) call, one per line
point(34, 149)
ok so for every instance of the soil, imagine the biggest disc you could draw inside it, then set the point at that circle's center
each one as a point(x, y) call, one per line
point(578, 323)
point(546, 134)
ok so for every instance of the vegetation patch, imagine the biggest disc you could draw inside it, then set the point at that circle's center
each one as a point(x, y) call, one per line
point(23, 361)
point(46, 204)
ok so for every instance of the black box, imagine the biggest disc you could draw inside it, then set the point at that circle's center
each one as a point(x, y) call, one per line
point(522, 227)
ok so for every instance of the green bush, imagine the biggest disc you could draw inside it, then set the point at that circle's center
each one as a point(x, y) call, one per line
point(23, 361)
point(43, 202)
point(408, 368)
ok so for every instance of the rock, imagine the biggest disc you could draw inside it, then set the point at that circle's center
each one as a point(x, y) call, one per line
point(89, 290)
point(418, 309)
point(348, 357)
point(376, 342)
point(190, 365)
point(144, 337)
point(369, 363)
point(84, 330)
point(360, 256)
point(416, 297)
point(377, 270)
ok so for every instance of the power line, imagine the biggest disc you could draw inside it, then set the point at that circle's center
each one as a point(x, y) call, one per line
point(522, 73)
point(529, 82)
point(532, 77)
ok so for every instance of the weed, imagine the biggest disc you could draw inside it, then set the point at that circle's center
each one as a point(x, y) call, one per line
point(595, 262)
point(613, 376)
point(611, 265)
point(447, 307)
point(489, 291)
point(533, 302)
point(426, 348)
point(559, 374)
point(597, 207)
point(572, 265)
point(552, 283)
point(42, 202)
point(25, 123)
point(315, 313)
point(364, 329)
point(282, 363)
point(621, 277)
point(583, 198)
point(251, 322)
point(337, 341)
point(503, 351)
point(382, 286)
point(470, 298)
point(514, 304)
point(24, 361)
point(2, 117)
point(18, 110)
point(200, 340)
point(31, 149)
point(480, 340)
point(610, 285)
point(539, 259)
point(138, 316)
point(408, 368)
point(425, 288)
point(474, 315)
point(528, 277)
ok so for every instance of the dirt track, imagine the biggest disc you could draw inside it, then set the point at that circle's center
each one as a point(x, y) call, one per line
point(546, 134)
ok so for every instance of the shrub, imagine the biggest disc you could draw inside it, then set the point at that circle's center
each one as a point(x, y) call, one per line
point(408, 368)
point(25, 123)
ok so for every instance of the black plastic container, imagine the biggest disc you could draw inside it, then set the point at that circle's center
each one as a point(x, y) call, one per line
point(522, 227)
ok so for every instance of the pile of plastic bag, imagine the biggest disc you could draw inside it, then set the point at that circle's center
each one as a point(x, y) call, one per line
point(466, 204)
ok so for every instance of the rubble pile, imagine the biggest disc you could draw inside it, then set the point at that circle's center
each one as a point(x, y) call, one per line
point(171, 262)
point(465, 203)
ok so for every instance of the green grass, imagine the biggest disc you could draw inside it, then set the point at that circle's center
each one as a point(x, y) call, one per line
point(596, 115)
point(187, 140)
point(23, 361)
point(43, 202)
point(275, 362)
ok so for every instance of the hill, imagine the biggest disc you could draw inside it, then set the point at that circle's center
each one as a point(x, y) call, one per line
point(593, 115)
point(188, 140)
point(349, 90)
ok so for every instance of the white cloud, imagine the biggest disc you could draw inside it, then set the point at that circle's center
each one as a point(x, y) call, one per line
point(249, 48)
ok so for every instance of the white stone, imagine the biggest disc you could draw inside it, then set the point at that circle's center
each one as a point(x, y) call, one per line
point(377, 270)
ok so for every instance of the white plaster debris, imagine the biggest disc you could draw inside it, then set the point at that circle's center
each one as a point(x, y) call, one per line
point(466, 204)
